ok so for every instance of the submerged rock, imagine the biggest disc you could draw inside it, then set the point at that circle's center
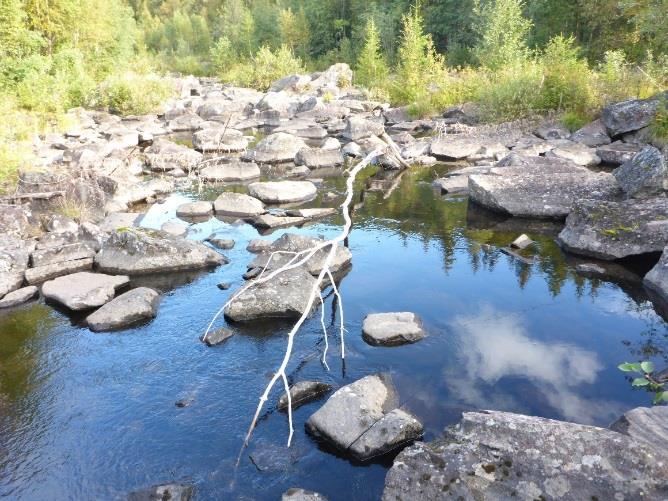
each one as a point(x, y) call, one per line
point(349, 418)
point(140, 251)
point(614, 230)
point(295, 494)
point(19, 296)
point(221, 243)
point(137, 305)
point(83, 290)
point(213, 338)
point(165, 492)
point(237, 204)
point(645, 175)
point(302, 393)
point(499, 455)
point(392, 329)
point(278, 192)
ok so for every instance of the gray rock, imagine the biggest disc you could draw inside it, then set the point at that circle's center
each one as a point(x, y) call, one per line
point(311, 213)
point(316, 158)
point(331, 143)
point(195, 209)
point(467, 113)
point(352, 150)
point(360, 128)
point(174, 228)
point(576, 153)
point(19, 296)
point(271, 221)
point(221, 243)
point(646, 424)
point(295, 494)
point(61, 253)
point(617, 153)
point(219, 139)
point(302, 393)
point(14, 257)
point(280, 102)
point(117, 220)
point(137, 305)
point(631, 115)
point(645, 175)
point(285, 296)
point(452, 184)
point(657, 278)
point(165, 492)
point(140, 251)
point(397, 115)
point(14, 221)
point(276, 148)
point(521, 242)
point(592, 135)
point(394, 430)
point(41, 274)
point(451, 148)
point(213, 338)
point(237, 204)
point(498, 455)
point(164, 155)
point(230, 172)
point(613, 230)
point(83, 290)
point(392, 329)
point(58, 223)
point(277, 192)
point(552, 131)
point(185, 123)
point(257, 245)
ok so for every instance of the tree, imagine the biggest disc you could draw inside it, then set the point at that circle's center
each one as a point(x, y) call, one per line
point(371, 69)
point(294, 30)
point(503, 32)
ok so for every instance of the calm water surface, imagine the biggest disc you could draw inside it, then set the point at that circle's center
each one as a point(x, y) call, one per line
point(93, 416)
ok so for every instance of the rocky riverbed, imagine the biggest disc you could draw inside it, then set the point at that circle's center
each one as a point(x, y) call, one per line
point(128, 224)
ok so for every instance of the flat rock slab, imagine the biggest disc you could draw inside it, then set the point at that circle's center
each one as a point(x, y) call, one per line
point(614, 230)
point(315, 213)
point(195, 209)
point(137, 305)
point(302, 393)
point(213, 338)
point(498, 455)
point(41, 274)
point(648, 424)
point(540, 195)
point(219, 139)
point(278, 192)
point(83, 290)
point(316, 158)
point(221, 243)
point(230, 172)
point(270, 221)
point(237, 204)
point(284, 296)
point(19, 296)
point(354, 410)
point(454, 148)
point(279, 147)
point(174, 228)
point(392, 329)
point(140, 251)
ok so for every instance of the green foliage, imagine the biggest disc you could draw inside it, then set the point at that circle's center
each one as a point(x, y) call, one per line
point(261, 70)
point(503, 32)
point(647, 379)
point(371, 69)
point(573, 121)
point(512, 92)
point(659, 126)
point(131, 93)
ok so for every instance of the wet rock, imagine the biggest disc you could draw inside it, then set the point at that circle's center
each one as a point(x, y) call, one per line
point(140, 251)
point(219, 139)
point(272, 221)
point(302, 393)
point(19, 296)
point(617, 153)
point(311, 213)
point(521, 242)
point(451, 148)
point(257, 245)
point(194, 209)
point(223, 286)
point(592, 135)
point(174, 228)
point(295, 494)
point(392, 329)
point(137, 305)
point(277, 192)
point(355, 410)
point(646, 424)
point(230, 172)
point(360, 128)
point(657, 278)
point(609, 271)
point(452, 184)
point(218, 336)
point(613, 230)
point(645, 175)
point(237, 204)
point(83, 290)
point(539, 195)
point(276, 148)
point(499, 455)
point(221, 243)
point(165, 492)
point(316, 158)
point(41, 274)
point(552, 131)
point(631, 115)
point(285, 296)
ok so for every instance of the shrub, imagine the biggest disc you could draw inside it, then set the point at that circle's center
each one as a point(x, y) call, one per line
point(371, 70)
point(132, 94)
point(263, 69)
point(512, 92)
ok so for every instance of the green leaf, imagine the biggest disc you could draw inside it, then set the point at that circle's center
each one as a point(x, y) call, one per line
point(640, 381)
point(627, 367)
point(660, 396)
point(647, 367)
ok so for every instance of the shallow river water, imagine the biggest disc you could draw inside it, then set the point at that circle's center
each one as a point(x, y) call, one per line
point(93, 416)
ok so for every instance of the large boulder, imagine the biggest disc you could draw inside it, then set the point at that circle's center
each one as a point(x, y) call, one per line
point(279, 192)
point(392, 329)
point(276, 148)
point(630, 115)
point(230, 172)
point(452, 148)
point(335, 78)
point(137, 305)
point(360, 128)
point(285, 296)
point(617, 153)
point(19, 296)
point(14, 256)
point(219, 139)
point(614, 230)
point(648, 424)
point(237, 204)
point(139, 251)
point(592, 135)
point(165, 156)
point(280, 102)
point(657, 278)
point(362, 419)
point(315, 158)
point(83, 290)
point(645, 175)
point(498, 455)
